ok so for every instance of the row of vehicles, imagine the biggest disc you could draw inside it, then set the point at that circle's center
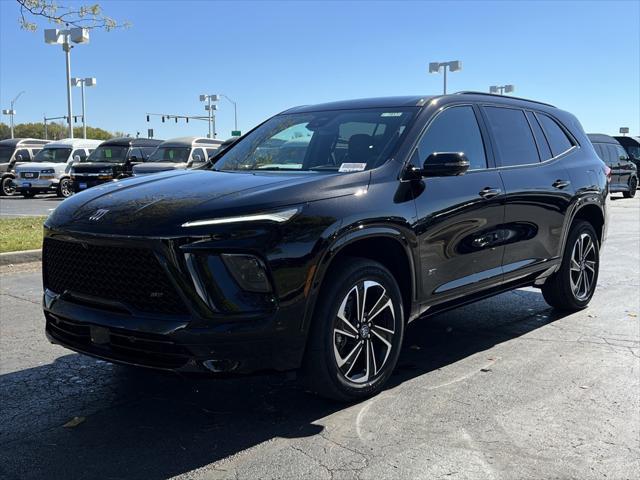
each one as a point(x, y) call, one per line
point(31, 166)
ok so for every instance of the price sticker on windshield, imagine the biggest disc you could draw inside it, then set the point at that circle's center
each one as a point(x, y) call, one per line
point(352, 167)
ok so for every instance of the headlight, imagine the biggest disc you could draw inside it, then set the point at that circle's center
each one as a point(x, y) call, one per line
point(248, 271)
point(47, 171)
point(278, 216)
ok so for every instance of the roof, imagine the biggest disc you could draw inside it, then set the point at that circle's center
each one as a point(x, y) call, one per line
point(189, 141)
point(601, 138)
point(628, 141)
point(133, 142)
point(73, 142)
point(410, 101)
point(19, 141)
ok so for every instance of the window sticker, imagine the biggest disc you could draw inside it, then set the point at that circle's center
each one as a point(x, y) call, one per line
point(107, 152)
point(352, 167)
point(391, 114)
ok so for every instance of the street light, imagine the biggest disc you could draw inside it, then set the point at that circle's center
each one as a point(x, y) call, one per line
point(53, 36)
point(502, 89)
point(210, 107)
point(11, 112)
point(235, 116)
point(454, 66)
point(82, 82)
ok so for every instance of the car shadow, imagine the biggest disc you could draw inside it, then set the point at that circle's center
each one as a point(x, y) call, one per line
point(141, 424)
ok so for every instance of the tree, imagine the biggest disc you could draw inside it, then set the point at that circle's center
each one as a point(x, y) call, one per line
point(55, 131)
point(85, 16)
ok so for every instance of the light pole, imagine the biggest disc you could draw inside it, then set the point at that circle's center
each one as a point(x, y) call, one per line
point(502, 89)
point(53, 36)
point(11, 112)
point(235, 115)
point(210, 107)
point(454, 66)
point(82, 82)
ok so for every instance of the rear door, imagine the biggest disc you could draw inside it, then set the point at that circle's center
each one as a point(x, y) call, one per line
point(459, 217)
point(538, 187)
point(625, 167)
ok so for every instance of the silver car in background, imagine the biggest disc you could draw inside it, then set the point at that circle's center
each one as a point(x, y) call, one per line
point(13, 152)
point(179, 154)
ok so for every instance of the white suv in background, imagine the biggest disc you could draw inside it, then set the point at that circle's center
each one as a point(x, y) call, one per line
point(179, 154)
point(49, 169)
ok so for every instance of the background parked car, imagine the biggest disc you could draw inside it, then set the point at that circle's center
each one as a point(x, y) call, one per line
point(624, 173)
point(632, 146)
point(179, 154)
point(14, 151)
point(49, 169)
point(112, 160)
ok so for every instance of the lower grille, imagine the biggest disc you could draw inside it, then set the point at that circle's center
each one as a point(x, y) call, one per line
point(120, 345)
point(131, 276)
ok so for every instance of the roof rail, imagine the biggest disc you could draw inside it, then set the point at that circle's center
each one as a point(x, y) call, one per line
point(471, 92)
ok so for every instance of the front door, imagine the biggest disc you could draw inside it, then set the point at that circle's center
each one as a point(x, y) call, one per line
point(459, 217)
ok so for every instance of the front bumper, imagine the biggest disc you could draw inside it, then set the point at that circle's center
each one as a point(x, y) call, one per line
point(35, 185)
point(80, 182)
point(250, 336)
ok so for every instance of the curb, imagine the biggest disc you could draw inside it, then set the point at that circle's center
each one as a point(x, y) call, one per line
point(25, 256)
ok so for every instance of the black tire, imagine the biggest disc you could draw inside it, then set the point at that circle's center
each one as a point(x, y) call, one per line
point(560, 290)
point(320, 371)
point(28, 194)
point(7, 188)
point(633, 185)
point(65, 188)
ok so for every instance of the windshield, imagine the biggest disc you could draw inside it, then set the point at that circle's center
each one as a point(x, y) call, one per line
point(5, 153)
point(340, 140)
point(55, 155)
point(115, 154)
point(170, 154)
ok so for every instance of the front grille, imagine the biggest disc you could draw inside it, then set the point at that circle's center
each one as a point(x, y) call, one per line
point(123, 345)
point(29, 174)
point(131, 276)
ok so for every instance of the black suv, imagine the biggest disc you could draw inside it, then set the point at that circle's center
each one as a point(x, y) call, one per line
point(624, 173)
point(398, 208)
point(112, 160)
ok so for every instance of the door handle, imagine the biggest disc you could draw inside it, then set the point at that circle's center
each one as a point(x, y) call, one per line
point(489, 192)
point(560, 184)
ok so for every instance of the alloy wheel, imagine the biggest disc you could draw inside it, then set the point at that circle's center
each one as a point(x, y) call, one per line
point(65, 188)
point(8, 187)
point(364, 330)
point(583, 267)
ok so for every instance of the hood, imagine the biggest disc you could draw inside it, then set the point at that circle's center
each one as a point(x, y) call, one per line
point(154, 167)
point(36, 166)
point(90, 167)
point(157, 205)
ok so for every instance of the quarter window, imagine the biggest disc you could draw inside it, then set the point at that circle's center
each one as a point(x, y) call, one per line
point(513, 136)
point(558, 140)
point(455, 130)
point(541, 141)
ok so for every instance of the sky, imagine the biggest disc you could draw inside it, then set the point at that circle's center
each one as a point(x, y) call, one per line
point(583, 57)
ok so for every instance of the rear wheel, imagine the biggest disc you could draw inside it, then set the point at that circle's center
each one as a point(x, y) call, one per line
point(572, 287)
point(633, 185)
point(65, 188)
point(357, 330)
point(7, 187)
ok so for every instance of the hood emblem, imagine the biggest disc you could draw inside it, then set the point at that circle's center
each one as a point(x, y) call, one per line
point(98, 214)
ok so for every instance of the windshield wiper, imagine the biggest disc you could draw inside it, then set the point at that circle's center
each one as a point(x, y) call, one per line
point(328, 166)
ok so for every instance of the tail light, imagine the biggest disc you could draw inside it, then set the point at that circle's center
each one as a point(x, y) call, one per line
point(607, 173)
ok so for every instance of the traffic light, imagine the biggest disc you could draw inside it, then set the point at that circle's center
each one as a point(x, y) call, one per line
point(147, 118)
point(163, 119)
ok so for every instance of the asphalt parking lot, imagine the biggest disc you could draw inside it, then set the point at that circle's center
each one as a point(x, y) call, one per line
point(16, 206)
point(505, 388)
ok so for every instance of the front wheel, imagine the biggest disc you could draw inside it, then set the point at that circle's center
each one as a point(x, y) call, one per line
point(573, 285)
point(633, 185)
point(357, 332)
point(7, 188)
point(65, 189)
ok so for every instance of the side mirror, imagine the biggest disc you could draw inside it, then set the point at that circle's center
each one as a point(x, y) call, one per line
point(76, 158)
point(445, 164)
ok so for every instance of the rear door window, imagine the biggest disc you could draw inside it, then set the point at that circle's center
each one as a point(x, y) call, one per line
point(513, 136)
point(558, 139)
point(543, 146)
